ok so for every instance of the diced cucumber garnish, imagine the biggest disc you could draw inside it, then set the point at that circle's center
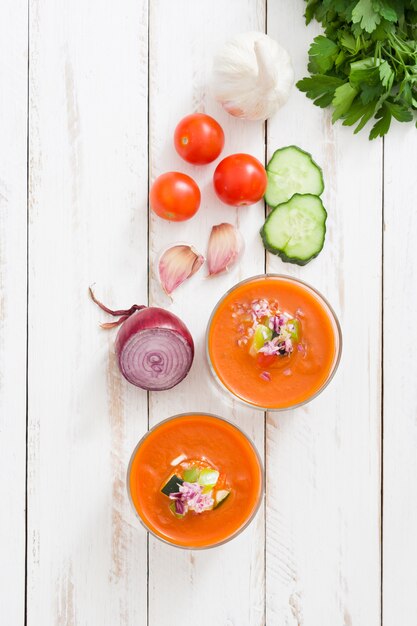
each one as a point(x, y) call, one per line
point(296, 229)
point(191, 475)
point(173, 509)
point(220, 497)
point(172, 485)
point(290, 171)
point(261, 336)
point(295, 334)
point(208, 477)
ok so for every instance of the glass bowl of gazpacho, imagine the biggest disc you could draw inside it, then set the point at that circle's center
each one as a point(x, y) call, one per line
point(195, 480)
point(273, 342)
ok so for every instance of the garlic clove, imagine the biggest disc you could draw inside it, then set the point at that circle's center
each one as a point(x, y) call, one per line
point(176, 264)
point(224, 248)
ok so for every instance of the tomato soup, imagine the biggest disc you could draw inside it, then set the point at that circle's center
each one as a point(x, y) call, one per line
point(195, 480)
point(273, 342)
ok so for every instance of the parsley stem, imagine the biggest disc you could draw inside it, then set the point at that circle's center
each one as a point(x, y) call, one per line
point(400, 64)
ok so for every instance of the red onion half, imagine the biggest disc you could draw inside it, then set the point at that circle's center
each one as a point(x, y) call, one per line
point(154, 347)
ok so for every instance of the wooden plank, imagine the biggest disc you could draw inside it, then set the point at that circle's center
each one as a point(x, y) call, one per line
point(225, 585)
point(13, 214)
point(88, 223)
point(400, 389)
point(323, 460)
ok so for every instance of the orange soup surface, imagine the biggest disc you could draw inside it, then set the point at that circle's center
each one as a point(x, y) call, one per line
point(194, 448)
point(273, 342)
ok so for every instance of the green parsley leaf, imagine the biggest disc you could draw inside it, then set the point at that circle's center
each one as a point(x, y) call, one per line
point(388, 10)
point(364, 71)
point(400, 113)
point(368, 113)
point(310, 10)
point(383, 31)
point(344, 8)
point(322, 53)
point(342, 101)
point(365, 64)
point(386, 74)
point(325, 100)
point(383, 124)
point(365, 15)
point(348, 41)
point(370, 92)
point(405, 92)
point(359, 111)
point(340, 59)
point(319, 85)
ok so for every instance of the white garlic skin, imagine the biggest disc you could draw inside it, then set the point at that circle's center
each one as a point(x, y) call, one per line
point(252, 76)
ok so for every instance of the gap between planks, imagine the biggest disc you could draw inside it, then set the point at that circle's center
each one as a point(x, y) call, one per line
point(382, 384)
point(27, 310)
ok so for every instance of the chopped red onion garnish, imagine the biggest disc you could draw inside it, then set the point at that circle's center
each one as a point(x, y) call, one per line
point(259, 313)
point(276, 322)
point(288, 345)
point(191, 497)
point(270, 348)
point(180, 507)
point(261, 308)
point(265, 376)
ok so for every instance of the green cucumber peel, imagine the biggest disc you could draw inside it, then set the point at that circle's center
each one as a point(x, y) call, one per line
point(172, 485)
point(221, 497)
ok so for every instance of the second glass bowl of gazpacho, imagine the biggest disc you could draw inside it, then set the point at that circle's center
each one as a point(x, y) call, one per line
point(195, 480)
point(273, 342)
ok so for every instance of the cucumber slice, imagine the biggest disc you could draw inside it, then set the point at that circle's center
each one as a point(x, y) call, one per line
point(208, 477)
point(290, 171)
point(191, 475)
point(295, 230)
point(261, 336)
point(220, 497)
point(172, 485)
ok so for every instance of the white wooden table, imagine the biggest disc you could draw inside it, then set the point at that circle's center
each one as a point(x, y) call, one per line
point(90, 95)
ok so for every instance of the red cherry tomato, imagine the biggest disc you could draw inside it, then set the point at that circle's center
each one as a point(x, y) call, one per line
point(265, 360)
point(175, 196)
point(199, 139)
point(240, 179)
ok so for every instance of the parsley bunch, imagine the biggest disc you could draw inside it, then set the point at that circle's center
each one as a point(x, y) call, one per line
point(365, 65)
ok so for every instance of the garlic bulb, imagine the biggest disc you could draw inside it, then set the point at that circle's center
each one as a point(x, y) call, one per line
point(252, 76)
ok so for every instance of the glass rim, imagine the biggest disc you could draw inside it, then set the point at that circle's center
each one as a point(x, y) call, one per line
point(241, 528)
point(338, 335)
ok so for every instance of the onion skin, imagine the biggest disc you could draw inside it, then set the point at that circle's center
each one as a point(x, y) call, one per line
point(148, 326)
